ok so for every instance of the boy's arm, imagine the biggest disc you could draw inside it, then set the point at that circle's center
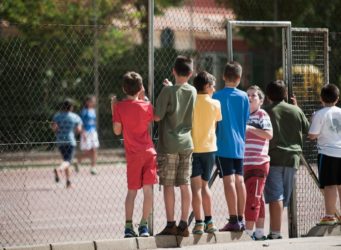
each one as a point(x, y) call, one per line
point(312, 136)
point(161, 105)
point(116, 126)
point(265, 134)
point(54, 127)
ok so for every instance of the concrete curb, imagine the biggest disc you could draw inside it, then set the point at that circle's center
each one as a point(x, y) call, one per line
point(166, 241)
point(142, 243)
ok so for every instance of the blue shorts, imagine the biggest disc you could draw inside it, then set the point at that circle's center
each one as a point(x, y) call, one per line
point(279, 184)
point(202, 165)
point(229, 166)
point(67, 152)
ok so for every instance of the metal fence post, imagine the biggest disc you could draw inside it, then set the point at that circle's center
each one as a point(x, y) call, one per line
point(151, 81)
point(292, 213)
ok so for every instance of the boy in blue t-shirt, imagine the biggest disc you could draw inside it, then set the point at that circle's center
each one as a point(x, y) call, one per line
point(65, 124)
point(231, 144)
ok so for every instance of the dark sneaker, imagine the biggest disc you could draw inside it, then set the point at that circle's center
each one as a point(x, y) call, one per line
point(129, 233)
point(169, 231)
point(253, 236)
point(56, 175)
point(199, 228)
point(143, 231)
point(274, 237)
point(182, 231)
point(233, 227)
point(210, 227)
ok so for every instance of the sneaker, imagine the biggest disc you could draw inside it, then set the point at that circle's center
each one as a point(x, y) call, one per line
point(56, 175)
point(93, 171)
point(327, 220)
point(242, 225)
point(234, 227)
point(169, 231)
point(210, 227)
point(253, 236)
point(129, 233)
point(272, 236)
point(143, 231)
point(199, 228)
point(182, 231)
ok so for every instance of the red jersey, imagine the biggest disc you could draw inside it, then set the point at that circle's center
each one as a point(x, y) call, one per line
point(135, 117)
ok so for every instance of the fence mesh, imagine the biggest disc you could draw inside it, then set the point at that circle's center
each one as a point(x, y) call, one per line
point(40, 67)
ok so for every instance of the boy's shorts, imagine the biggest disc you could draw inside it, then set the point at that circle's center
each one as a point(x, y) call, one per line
point(229, 166)
point(202, 165)
point(89, 140)
point(329, 169)
point(175, 169)
point(141, 169)
point(279, 184)
point(67, 152)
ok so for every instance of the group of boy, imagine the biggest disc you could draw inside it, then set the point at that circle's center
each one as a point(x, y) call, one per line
point(199, 128)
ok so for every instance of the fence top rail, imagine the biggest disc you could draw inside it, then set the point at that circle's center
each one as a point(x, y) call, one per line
point(283, 24)
point(312, 30)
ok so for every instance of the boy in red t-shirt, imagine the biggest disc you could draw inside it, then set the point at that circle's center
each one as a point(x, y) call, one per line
point(132, 117)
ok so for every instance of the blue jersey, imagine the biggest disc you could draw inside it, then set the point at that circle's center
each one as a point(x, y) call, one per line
point(67, 122)
point(89, 119)
point(232, 128)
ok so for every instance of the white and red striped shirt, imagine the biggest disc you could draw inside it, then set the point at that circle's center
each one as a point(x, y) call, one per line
point(257, 148)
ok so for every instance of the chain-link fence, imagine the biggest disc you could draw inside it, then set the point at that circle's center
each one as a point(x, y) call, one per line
point(42, 65)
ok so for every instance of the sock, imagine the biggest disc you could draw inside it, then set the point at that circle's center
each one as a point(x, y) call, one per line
point(129, 224)
point(208, 219)
point(170, 223)
point(259, 233)
point(233, 219)
point(198, 221)
point(275, 234)
point(249, 232)
point(330, 215)
point(183, 224)
point(143, 222)
point(240, 218)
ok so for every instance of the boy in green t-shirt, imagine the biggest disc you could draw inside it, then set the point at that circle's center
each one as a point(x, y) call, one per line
point(174, 108)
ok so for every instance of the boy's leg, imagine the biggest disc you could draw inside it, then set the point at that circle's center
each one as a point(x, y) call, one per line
point(93, 159)
point(186, 197)
point(147, 201)
point(206, 198)
point(197, 198)
point(276, 211)
point(230, 194)
point(169, 199)
point(129, 204)
point(330, 197)
point(339, 190)
point(241, 194)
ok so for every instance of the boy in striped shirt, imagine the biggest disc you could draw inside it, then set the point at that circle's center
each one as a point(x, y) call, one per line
point(256, 163)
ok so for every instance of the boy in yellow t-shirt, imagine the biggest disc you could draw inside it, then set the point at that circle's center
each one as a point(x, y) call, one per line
point(206, 113)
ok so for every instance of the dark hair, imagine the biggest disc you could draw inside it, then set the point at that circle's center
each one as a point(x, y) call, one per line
point(132, 83)
point(201, 79)
point(183, 66)
point(330, 93)
point(232, 71)
point(67, 105)
point(260, 93)
point(276, 91)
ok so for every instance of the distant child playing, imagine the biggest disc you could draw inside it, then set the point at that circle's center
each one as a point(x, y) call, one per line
point(174, 109)
point(89, 137)
point(326, 128)
point(231, 144)
point(65, 123)
point(256, 163)
point(205, 116)
point(133, 117)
